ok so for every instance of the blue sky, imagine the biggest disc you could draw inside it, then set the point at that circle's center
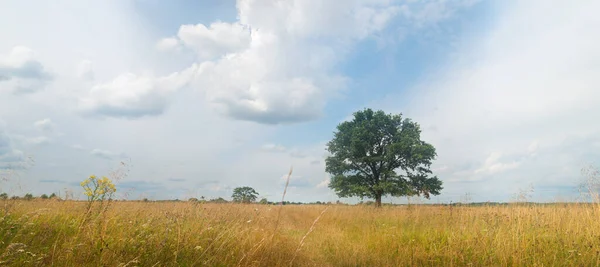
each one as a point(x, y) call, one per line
point(203, 96)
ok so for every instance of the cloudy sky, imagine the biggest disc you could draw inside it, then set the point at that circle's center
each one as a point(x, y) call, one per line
point(198, 97)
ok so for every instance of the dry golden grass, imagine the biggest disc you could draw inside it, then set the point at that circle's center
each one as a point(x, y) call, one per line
point(40, 233)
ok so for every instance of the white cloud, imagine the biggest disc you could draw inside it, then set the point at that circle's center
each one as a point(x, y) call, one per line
point(493, 165)
point(324, 183)
point(21, 73)
point(353, 19)
point(284, 76)
point(45, 125)
point(283, 67)
point(247, 87)
point(168, 44)
point(218, 39)
point(132, 96)
point(524, 88)
point(533, 148)
point(85, 70)
point(277, 64)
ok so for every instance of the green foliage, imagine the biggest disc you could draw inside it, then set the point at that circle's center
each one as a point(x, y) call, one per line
point(4, 196)
point(378, 154)
point(263, 201)
point(218, 200)
point(28, 196)
point(244, 194)
point(44, 196)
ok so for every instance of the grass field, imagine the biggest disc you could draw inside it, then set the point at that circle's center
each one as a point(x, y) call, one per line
point(52, 232)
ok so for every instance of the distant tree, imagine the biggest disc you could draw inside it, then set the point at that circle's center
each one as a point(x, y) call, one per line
point(28, 196)
point(378, 154)
point(193, 199)
point(44, 196)
point(53, 195)
point(15, 197)
point(244, 194)
point(4, 196)
point(218, 200)
point(263, 201)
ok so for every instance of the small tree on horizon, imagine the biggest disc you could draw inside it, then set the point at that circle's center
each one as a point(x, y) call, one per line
point(244, 194)
point(378, 154)
point(218, 200)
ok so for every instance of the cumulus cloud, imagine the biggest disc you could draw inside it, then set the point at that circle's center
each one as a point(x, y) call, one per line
point(168, 44)
point(324, 183)
point(133, 96)
point(277, 63)
point(517, 104)
point(493, 164)
point(216, 40)
point(21, 73)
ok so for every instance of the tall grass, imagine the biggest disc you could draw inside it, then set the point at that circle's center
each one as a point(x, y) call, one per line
point(55, 232)
point(192, 234)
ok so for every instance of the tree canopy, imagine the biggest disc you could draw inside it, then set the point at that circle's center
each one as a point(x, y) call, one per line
point(244, 194)
point(378, 154)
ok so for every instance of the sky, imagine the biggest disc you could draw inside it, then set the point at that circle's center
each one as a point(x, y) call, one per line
point(200, 97)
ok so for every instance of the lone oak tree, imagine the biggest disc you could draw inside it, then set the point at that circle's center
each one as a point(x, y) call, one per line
point(378, 154)
point(244, 194)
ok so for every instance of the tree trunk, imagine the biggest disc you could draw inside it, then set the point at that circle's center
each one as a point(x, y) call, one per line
point(378, 200)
